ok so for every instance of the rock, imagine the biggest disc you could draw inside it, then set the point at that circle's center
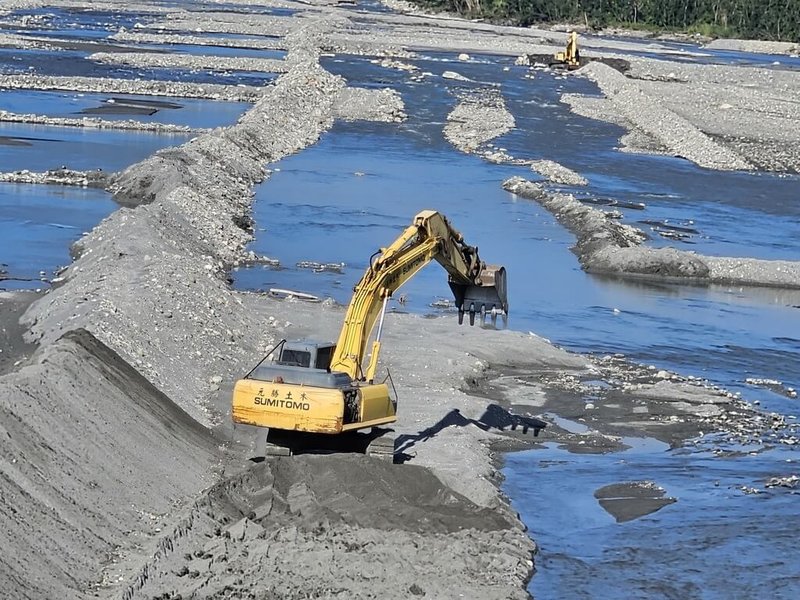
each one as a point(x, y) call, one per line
point(454, 75)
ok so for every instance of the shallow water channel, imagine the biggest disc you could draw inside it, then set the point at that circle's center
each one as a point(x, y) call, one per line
point(714, 542)
point(363, 183)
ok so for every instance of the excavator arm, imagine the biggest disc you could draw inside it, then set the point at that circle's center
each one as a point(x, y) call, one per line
point(477, 287)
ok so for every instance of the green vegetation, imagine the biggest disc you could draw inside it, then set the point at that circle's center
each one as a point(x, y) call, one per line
point(755, 19)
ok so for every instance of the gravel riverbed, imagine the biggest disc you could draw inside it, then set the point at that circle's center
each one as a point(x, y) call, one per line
point(117, 449)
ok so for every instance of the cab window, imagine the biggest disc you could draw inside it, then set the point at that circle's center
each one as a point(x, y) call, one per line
point(297, 358)
point(324, 357)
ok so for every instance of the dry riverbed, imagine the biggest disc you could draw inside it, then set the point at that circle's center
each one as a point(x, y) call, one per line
point(117, 449)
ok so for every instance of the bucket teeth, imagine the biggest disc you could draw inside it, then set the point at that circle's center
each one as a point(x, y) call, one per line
point(487, 296)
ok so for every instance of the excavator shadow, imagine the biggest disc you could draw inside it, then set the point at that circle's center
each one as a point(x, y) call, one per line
point(494, 417)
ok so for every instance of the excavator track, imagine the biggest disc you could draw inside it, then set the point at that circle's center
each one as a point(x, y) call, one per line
point(379, 443)
point(382, 447)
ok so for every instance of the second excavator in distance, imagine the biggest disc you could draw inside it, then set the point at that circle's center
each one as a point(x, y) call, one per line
point(314, 392)
point(570, 58)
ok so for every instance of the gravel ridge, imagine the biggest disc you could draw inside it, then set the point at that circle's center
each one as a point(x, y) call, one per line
point(58, 177)
point(605, 246)
point(653, 118)
point(74, 482)
point(188, 61)
point(748, 112)
point(177, 89)
point(479, 116)
point(197, 199)
point(95, 123)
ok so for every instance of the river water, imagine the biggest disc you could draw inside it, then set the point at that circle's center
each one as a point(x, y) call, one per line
point(354, 191)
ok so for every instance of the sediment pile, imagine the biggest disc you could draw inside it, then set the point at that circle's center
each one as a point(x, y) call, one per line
point(344, 524)
point(96, 179)
point(90, 452)
point(556, 173)
point(480, 116)
point(656, 121)
point(95, 123)
point(762, 46)
point(187, 61)
point(719, 117)
point(175, 89)
point(196, 40)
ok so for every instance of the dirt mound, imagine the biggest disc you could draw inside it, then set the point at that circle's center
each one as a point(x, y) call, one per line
point(90, 454)
point(341, 521)
point(374, 493)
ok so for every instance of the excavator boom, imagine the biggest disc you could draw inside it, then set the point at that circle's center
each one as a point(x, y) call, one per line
point(477, 287)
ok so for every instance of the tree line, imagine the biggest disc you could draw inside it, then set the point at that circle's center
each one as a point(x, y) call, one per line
point(753, 19)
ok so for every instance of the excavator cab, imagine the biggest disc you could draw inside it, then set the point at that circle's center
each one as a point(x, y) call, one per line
point(306, 353)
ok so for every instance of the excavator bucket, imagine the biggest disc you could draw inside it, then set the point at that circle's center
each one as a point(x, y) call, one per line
point(489, 295)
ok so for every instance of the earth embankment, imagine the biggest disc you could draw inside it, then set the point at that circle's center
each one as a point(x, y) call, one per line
point(91, 452)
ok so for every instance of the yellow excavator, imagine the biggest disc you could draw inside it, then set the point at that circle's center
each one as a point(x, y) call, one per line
point(570, 57)
point(312, 392)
